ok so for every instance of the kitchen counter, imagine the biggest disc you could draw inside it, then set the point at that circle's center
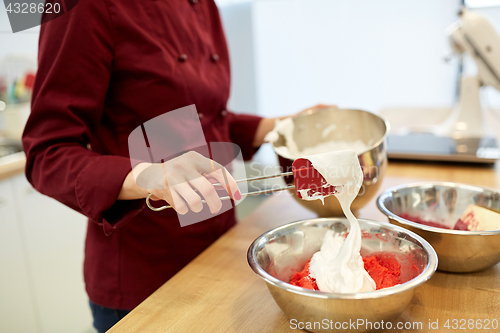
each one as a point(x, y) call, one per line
point(11, 165)
point(218, 291)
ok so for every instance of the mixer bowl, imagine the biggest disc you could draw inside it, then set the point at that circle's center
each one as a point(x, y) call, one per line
point(458, 251)
point(278, 253)
point(350, 125)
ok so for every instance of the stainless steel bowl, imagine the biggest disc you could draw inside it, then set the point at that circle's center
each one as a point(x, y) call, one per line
point(278, 254)
point(351, 125)
point(458, 251)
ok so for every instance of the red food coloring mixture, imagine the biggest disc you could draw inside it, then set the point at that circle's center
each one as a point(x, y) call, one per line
point(460, 225)
point(417, 219)
point(384, 268)
point(302, 279)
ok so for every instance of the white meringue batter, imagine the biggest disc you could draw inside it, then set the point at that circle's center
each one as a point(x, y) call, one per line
point(338, 266)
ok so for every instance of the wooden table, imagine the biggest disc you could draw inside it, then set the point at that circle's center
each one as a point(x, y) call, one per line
point(218, 292)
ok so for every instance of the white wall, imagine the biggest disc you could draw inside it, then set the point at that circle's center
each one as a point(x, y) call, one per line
point(240, 35)
point(361, 54)
point(290, 54)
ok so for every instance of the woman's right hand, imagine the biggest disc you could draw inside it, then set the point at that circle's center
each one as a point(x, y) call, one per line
point(176, 180)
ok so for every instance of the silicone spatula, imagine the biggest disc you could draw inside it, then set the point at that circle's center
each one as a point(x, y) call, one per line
point(305, 175)
point(308, 178)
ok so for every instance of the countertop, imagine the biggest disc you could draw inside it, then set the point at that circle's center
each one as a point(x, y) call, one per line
point(218, 291)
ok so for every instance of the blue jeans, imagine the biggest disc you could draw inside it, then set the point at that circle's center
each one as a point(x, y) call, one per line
point(105, 318)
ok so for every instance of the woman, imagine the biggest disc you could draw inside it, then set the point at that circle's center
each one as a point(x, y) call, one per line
point(105, 68)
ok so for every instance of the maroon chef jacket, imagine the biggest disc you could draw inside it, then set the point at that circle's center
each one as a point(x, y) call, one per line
point(105, 68)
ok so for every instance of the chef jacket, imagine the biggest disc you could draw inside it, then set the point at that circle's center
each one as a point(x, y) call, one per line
point(106, 67)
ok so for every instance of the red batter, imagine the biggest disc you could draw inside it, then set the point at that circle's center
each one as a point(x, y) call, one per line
point(302, 279)
point(417, 219)
point(383, 268)
point(460, 225)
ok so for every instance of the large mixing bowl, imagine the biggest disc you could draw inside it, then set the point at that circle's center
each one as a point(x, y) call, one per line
point(458, 251)
point(277, 254)
point(350, 125)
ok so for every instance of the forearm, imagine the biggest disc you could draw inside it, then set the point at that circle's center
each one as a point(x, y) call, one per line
point(130, 190)
point(266, 125)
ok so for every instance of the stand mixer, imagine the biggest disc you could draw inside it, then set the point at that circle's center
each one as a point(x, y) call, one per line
point(464, 136)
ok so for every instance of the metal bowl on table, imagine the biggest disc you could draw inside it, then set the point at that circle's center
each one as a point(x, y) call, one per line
point(349, 125)
point(458, 251)
point(278, 254)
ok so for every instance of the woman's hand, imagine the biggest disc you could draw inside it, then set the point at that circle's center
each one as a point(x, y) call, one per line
point(266, 125)
point(176, 180)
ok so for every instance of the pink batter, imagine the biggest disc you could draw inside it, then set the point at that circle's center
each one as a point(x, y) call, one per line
point(460, 225)
point(383, 267)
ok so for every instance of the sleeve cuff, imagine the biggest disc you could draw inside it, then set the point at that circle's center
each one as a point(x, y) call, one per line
point(97, 188)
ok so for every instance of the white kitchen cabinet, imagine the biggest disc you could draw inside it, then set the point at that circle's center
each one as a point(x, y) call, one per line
point(55, 237)
point(17, 311)
point(50, 238)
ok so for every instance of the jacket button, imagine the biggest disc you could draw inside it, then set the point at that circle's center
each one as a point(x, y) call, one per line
point(215, 57)
point(200, 115)
point(223, 113)
point(193, 2)
point(183, 57)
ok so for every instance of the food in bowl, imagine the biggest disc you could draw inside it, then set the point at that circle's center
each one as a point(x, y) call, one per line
point(459, 251)
point(276, 255)
point(362, 131)
point(339, 266)
point(384, 268)
point(291, 148)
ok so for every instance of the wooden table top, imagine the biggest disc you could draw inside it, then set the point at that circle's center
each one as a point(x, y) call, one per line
point(218, 291)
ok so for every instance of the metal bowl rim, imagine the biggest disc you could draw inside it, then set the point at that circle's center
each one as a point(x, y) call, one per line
point(325, 109)
point(387, 193)
point(427, 272)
